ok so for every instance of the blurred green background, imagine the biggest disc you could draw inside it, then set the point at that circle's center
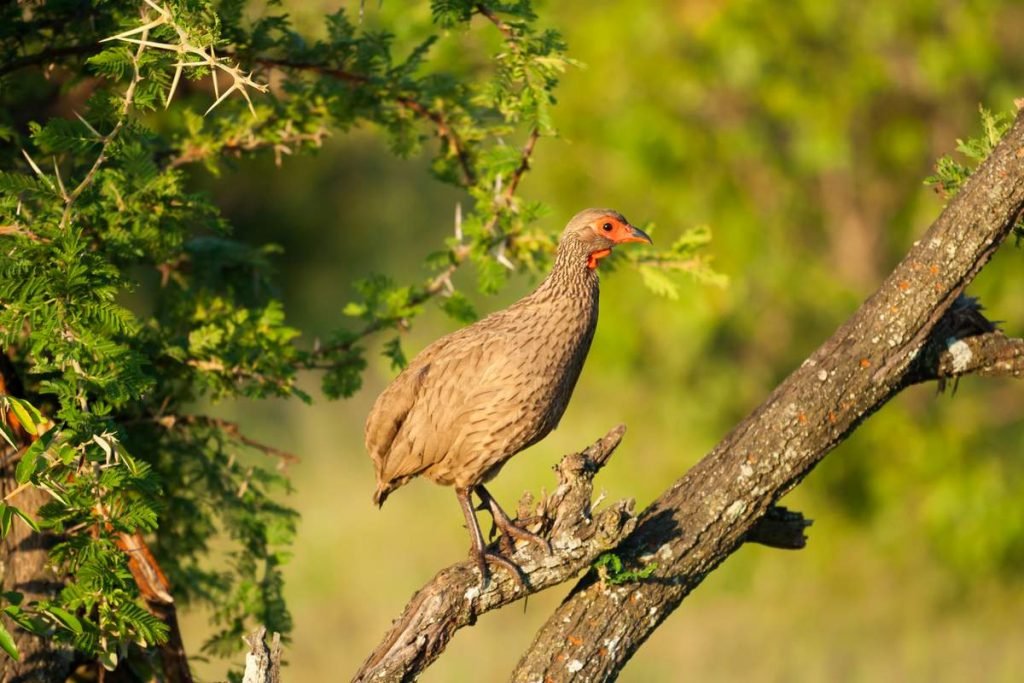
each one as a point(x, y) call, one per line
point(800, 133)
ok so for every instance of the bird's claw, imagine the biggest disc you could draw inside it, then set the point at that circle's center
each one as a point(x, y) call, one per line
point(511, 530)
point(483, 557)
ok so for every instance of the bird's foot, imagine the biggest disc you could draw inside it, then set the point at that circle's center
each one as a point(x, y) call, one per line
point(484, 556)
point(510, 530)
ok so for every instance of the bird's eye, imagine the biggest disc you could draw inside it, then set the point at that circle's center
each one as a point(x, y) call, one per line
point(607, 227)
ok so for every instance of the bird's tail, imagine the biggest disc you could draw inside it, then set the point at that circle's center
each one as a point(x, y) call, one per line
point(381, 494)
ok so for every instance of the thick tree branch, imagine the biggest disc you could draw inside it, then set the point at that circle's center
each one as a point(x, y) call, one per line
point(706, 515)
point(454, 598)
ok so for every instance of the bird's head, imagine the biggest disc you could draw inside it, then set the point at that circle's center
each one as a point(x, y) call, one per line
point(598, 230)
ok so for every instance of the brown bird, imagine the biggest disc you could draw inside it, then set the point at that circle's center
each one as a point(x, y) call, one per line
point(476, 397)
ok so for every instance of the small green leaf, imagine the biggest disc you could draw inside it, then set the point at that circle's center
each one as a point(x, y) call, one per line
point(27, 415)
point(8, 435)
point(6, 517)
point(67, 618)
point(27, 464)
point(108, 660)
point(13, 597)
point(354, 309)
point(30, 459)
point(658, 282)
point(25, 518)
point(7, 643)
point(458, 307)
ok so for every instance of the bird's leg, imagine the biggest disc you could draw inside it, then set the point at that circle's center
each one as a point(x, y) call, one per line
point(507, 526)
point(494, 527)
point(479, 550)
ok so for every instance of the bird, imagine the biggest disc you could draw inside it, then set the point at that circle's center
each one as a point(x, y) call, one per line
point(478, 396)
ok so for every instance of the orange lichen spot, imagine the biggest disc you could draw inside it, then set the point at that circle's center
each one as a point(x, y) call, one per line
point(832, 416)
point(561, 657)
point(751, 458)
point(575, 641)
point(865, 362)
point(802, 417)
point(934, 269)
point(602, 652)
point(904, 285)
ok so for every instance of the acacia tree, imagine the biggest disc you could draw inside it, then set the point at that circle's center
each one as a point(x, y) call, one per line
point(114, 486)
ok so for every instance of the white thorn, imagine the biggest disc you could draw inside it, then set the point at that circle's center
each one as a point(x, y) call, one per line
point(151, 43)
point(499, 256)
point(138, 29)
point(60, 182)
point(221, 98)
point(174, 84)
point(38, 171)
point(458, 221)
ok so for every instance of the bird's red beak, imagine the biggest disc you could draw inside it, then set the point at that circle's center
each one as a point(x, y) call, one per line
point(629, 233)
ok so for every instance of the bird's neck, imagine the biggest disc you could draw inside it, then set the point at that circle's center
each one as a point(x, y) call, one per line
point(571, 276)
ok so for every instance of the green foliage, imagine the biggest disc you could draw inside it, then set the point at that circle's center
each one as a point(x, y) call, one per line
point(950, 174)
point(610, 570)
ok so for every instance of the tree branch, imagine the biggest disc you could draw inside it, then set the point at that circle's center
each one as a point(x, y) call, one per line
point(454, 598)
point(706, 515)
point(49, 55)
point(966, 342)
point(445, 130)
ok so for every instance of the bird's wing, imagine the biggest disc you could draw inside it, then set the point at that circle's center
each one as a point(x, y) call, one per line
point(423, 413)
point(391, 409)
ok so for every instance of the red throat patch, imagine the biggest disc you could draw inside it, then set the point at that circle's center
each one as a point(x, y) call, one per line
point(596, 256)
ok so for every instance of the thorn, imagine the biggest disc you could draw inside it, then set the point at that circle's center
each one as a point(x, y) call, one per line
point(60, 182)
point(245, 94)
point(499, 256)
point(458, 221)
point(138, 29)
point(38, 171)
point(213, 74)
point(221, 98)
point(88, 125)
point(174, 84)
point(151, 43)
point(163, 12)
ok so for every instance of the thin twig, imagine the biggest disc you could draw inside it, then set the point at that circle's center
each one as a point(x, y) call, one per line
point(445, 131)
point(438, 284)
point(233, 431)
point(47, 56)
point(129, 97)
point(487, 12)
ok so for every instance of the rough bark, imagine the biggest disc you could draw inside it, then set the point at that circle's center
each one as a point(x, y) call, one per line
point(454, 597)
point(899, 336)
point(262, 663)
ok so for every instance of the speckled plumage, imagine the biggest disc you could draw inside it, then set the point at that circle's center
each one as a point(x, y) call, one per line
point(476, 397)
